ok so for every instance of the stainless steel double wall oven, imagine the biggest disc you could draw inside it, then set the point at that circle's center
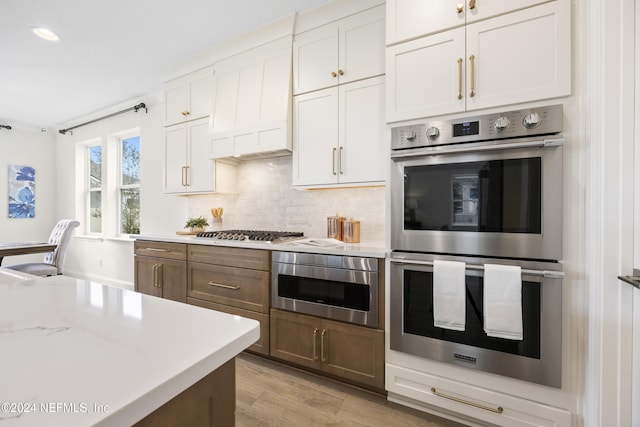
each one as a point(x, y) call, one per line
point(483, 190)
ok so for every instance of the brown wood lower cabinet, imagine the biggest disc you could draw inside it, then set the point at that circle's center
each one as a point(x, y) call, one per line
point(161, 269)
point(232, 280)
point(210, 402)
point(349, 352)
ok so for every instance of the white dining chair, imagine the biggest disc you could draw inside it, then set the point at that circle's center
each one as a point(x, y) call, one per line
point(54, 260)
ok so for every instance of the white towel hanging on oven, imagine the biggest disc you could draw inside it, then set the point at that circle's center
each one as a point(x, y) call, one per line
point(449, 298)
point(503, 301)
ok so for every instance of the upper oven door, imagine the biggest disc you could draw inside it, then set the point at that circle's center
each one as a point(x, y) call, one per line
point(499, 200)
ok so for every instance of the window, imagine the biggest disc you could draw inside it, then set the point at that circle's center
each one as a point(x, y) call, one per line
point(109, 191)
point(94, 196)
point(129, 188)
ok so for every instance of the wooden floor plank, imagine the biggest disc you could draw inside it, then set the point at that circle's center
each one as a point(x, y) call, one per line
point(270, 394)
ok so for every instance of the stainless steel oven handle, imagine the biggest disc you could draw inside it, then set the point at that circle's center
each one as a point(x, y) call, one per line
point(466, 148)
point(548, 274)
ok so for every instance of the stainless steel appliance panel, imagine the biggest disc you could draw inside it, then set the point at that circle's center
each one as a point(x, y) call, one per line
point(538, 358)
point(324, 285)
point(466, 236)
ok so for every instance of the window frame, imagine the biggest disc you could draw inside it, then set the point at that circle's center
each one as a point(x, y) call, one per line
point(88, 189)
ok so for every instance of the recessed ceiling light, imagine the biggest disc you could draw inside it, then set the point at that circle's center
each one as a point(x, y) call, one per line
point(45, 34)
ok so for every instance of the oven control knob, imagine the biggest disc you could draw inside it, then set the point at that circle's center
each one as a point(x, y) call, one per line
point(433, 133)
point(410, 135)
point(501, 123)
point(531, 120)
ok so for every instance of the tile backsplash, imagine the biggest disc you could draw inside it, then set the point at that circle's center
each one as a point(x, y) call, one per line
point(266, 200)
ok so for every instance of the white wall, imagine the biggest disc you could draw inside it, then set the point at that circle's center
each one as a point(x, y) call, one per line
point(109, 260)
point(605, 127)
point(28, 146)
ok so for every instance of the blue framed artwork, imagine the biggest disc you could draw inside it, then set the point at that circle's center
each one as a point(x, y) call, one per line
point(22, 192)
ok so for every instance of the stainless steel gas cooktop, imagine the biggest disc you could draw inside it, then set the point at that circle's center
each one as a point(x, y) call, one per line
point(265, 236)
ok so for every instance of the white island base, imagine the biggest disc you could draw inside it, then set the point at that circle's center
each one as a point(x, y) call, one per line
point(77, 353)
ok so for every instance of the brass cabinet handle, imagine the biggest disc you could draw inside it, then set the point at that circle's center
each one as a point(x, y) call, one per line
point(184, 176)
point(473, 75)
point(340, 161)
point(340, 72)
point(460, 8)
point(315, 346)
point(322, 334)
point(472, 4)
point(333, 160)
point(156, 274)
point(497, 410)
point(157, 250)
point(333, 74)
point(185, 113)
point(459, 78)
point(187, 175)
point(220, 285)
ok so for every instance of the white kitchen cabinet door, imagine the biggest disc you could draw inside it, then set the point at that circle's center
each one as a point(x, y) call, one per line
point(425, 77)
point(315, 59)
point(476, 403)
point(411, 19)
point(188, 168)
point(520, 57)
point(315, 137)
point(339, 135)
point(348, 50)
point(200, 167)
point(188, 97)
point(175, 158)
point(361, 46)
point(361, 146)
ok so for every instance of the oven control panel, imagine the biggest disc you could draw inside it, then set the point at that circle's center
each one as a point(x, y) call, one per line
point(510, 124)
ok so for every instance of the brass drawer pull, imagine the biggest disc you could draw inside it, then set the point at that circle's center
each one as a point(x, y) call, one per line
point(497, 410)
point(315, 347)
point(157, 250)
point(220, 285)
point(459, 78)
point(322, 334)
point(472, 59)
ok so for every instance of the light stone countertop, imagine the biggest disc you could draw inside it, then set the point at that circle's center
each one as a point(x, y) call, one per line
point(372, 249)
point(77, 353)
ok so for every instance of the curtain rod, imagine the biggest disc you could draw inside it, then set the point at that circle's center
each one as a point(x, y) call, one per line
point(135, 108)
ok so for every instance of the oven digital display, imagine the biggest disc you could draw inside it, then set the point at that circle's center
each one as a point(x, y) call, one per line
point(466, 128)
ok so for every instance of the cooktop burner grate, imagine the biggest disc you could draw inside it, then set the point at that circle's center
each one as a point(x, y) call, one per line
point(252, 235)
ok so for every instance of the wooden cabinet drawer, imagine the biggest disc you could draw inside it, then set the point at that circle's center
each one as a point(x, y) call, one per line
point(161, 249)
point(255, 259)
point(237, 287)
point(262, 345)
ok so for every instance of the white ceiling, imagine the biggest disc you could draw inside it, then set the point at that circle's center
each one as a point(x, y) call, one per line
point(110, 51)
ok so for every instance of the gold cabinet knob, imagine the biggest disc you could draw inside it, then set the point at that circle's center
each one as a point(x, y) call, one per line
point(472, 4)
point(333, 74)
point(460, 7)
point(340, 73)
point(185, 113)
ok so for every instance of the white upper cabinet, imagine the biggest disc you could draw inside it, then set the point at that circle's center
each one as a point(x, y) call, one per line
point(339, 135)
point(188, 97)
point(187, 167)
point(410, 19)
point(344, 51)
point(251, 108)
point(512, 58)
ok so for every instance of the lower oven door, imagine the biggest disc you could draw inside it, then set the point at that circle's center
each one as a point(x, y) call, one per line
point(536, 358)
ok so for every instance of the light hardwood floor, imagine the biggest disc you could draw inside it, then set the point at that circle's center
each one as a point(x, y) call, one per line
point(269, 394)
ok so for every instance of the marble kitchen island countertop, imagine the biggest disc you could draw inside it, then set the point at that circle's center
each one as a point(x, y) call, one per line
point(79, 353)
point(372, 249)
